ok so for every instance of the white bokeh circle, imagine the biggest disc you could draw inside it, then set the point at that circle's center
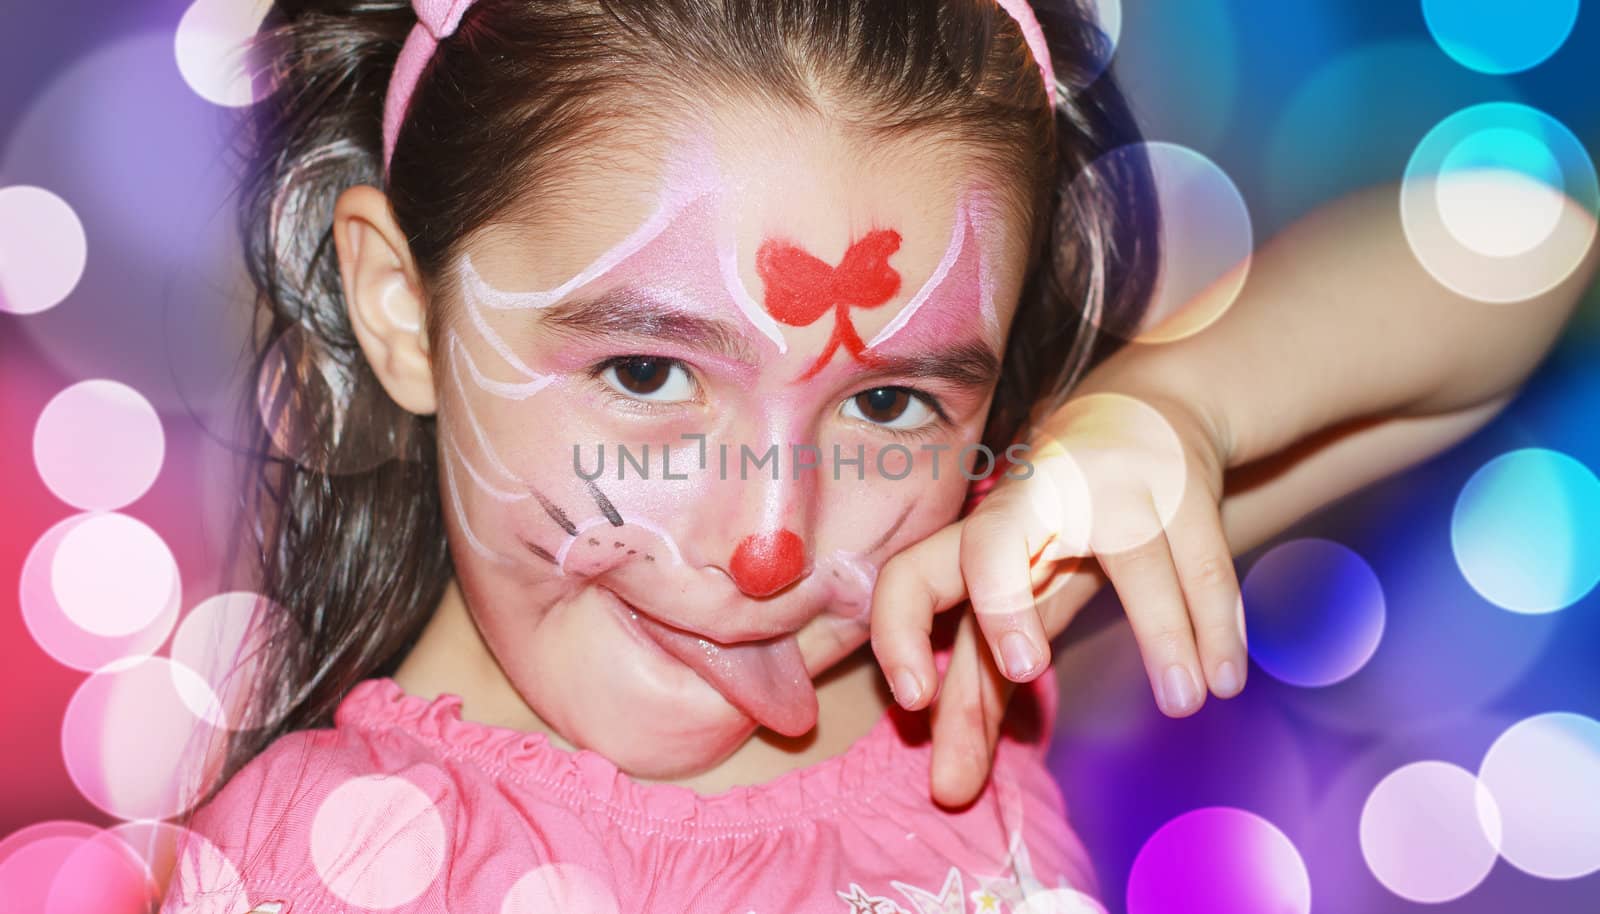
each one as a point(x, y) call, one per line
point(1485, 202)
point(113, 576)
point(210, 45)
point(1544, 774)
point(1207, 241)
point(43, 249)
point(1430, 832)
point(559, 887)
point(99, 445)
point(378, 841)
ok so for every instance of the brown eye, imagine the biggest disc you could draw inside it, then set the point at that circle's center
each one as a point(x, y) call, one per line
point(899, 408)
point(650, 378)
point(883, 404)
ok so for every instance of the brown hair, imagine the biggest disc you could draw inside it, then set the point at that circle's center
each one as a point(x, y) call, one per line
point(346, 533)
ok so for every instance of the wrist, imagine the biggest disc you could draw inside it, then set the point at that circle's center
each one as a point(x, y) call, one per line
point(1141, 372)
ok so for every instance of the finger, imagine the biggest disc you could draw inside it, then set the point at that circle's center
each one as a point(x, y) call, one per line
point(997, 551)
point(914, 586)
point(1147, 584)
point(966, 719)
point(1204, 563)
point(1064, 593)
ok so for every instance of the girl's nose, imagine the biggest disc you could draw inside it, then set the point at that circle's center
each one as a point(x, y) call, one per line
point(765, 563)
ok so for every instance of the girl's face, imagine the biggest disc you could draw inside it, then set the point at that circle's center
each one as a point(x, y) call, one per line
point(688, 410)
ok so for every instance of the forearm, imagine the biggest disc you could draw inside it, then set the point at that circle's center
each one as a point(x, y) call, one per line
point(1338, 323)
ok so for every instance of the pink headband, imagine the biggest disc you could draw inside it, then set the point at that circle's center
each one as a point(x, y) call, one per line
point(438, 19)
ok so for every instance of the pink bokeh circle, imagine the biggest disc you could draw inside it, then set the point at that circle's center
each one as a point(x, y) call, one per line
point(136, 740)
point(220, 640)
point(60, 635)
point(1219, 860)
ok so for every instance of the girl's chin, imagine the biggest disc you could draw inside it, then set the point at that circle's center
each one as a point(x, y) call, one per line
point(669, 741)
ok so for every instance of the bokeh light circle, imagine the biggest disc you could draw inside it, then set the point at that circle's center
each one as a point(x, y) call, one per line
point(1496, 211)
point(113, 576)
point(559, 887)
point(1206, 243)
point(1206, 240)
point(1108, 431)
point(43, 249)
point(1430, 832)
point(210, 45)
point(98, 445)
point(315, 411)
point(1490, 36)
point(1314, 612)
point(1544, 775)
point(219, 639)
point(377, 841)
point(167, 269)
point(1219, 860)
point(204, 880)
point(1482, 202)
point(1524, 531)
point(101, 874)
point(31, 858)
point(155, 842)
point(60, 635)
point(133, 741)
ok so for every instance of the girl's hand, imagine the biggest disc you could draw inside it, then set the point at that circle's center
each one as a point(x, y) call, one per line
point(1122, 488)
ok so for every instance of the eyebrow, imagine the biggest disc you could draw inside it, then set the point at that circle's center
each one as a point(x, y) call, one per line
point(631, 312)
point(970, 364)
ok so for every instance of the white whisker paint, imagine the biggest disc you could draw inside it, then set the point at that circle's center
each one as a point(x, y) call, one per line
point(458, 353)
point(461, 512)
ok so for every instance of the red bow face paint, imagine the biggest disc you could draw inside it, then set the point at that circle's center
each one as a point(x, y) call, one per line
point(801, 288)
point(667, 494)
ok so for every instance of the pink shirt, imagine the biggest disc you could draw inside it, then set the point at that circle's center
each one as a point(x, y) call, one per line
point(403, 806)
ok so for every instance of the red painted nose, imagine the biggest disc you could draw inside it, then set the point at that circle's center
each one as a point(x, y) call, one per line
point(766, 563)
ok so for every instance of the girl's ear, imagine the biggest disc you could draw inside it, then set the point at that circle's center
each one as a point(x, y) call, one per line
point(384, 295)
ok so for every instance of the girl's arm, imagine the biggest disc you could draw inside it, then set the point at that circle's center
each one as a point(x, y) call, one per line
point(1343, 360)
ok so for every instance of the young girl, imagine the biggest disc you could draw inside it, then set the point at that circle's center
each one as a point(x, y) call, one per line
point(682, 318)
point(671, 324)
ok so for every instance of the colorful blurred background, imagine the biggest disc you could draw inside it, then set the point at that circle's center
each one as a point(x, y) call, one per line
point(1421, 730)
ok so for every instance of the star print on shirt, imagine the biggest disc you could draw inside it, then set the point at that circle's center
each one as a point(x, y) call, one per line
point(862, 903)
point(950, 899)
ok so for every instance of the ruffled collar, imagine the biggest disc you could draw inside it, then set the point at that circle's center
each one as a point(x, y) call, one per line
point(893, 752)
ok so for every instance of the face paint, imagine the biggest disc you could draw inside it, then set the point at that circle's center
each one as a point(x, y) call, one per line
point(942, 308)
point(719, 579)
point(801, 288)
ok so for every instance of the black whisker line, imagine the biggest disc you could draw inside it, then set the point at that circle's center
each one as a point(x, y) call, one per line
point(557, 515)
point(604, 504)
point(893, 529)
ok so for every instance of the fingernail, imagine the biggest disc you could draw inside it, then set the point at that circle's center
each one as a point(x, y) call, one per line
point(1178, 689)
point(906, 688)
point(1228, 679)
point(1018, 653)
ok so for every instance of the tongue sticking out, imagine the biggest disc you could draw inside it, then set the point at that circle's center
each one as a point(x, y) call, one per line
point(765, 679)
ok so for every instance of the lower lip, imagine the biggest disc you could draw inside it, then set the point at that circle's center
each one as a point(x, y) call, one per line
point(626, 615)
